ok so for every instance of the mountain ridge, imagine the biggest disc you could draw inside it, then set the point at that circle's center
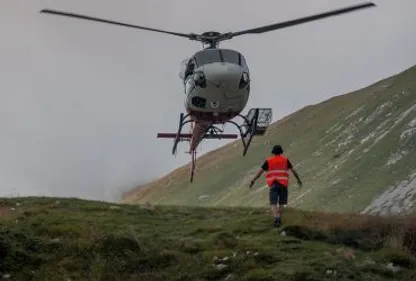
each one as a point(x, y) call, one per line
point(327, 143)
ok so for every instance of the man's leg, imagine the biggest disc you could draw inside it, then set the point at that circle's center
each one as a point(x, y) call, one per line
point(283, 196)
point(273, 198)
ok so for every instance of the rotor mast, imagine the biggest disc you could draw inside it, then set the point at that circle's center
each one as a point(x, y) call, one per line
point(210, 40)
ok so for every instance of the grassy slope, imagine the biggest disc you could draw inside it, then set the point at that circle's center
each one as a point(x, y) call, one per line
point(340, 148)
point(71, 239)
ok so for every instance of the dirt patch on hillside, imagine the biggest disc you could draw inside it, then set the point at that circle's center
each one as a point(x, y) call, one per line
point(6, 212)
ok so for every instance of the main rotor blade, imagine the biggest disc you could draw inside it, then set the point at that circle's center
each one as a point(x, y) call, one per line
point(54, 12)
point(302, 20)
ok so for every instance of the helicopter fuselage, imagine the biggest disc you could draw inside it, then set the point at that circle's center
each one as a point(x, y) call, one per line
point(216, 85)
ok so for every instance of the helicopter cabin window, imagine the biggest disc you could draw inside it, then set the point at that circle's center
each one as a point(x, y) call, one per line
point(190, 67)
point(219, 55)
point(207, 56)
point(230, 56)
point(242, 61)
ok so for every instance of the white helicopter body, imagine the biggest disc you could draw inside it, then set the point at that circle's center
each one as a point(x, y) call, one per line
point(216, 84)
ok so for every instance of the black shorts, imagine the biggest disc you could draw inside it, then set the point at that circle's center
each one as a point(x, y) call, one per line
point(278, 194)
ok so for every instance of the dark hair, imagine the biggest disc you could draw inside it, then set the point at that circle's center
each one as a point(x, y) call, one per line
point(277, 149)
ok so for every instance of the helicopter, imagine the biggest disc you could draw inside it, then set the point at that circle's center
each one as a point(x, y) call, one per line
point(216, 83)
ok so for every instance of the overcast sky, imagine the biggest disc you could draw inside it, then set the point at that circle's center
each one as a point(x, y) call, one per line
point(82, 102)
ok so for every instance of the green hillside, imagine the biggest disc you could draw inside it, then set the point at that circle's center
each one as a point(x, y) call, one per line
point(58, 239)
point(354, 152)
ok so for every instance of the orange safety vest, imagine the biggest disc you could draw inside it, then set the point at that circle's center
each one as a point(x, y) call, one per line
point(277, 171)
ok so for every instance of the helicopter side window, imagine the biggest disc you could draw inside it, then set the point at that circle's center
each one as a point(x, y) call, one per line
point(190, 67)
point(243, 62)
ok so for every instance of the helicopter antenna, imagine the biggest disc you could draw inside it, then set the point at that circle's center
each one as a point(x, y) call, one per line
point(211, 39)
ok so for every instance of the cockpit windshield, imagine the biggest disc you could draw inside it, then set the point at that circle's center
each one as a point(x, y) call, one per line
point(219, 55)
point(207, 56)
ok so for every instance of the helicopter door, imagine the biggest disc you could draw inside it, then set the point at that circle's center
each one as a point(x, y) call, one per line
point(190, 68)
point(187, 68)
point(182, 69)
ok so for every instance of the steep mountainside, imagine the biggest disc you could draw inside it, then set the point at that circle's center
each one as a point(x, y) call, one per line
point(354, 152)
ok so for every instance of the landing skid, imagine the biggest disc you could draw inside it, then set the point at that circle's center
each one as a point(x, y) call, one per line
point(255, 123)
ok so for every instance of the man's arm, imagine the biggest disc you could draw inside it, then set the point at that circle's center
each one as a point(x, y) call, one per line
point(290, 166)
point(259, 172)
point(296, 176)
point(264, 167)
